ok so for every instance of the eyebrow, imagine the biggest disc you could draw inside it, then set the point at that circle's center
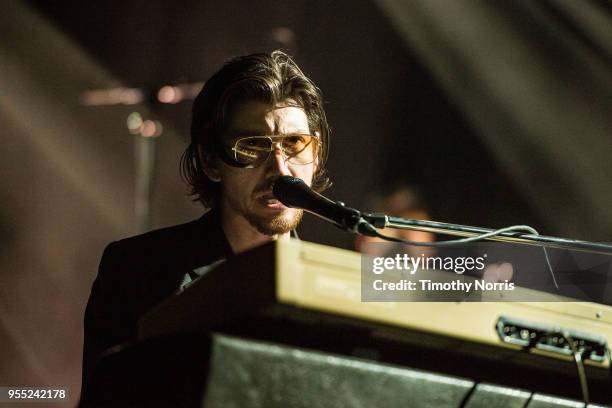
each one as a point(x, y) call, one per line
point(259, 132)
point(245, 131)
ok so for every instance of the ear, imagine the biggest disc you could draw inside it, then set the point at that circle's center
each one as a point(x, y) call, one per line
point(210, 167)
point(316, 162)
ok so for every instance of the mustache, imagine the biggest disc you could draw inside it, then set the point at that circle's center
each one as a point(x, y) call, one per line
point(265, 186)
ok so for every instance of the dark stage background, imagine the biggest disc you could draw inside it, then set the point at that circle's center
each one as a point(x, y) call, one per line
point(498, 112)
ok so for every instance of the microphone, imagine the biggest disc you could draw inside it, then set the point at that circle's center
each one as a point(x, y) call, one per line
point(293, 192)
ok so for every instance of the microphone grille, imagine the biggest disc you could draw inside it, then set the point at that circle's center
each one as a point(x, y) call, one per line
point(286, 187)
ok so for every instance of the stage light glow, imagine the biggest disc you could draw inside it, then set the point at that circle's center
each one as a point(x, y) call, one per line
point(158, 128)
point(131, 96)
point(151, 128)
point(284, 35)
point(170, 94)
point(134, 122)
point(112, 96)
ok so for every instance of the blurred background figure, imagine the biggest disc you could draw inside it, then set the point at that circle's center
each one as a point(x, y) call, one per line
point(403, 200)
point(398, 200)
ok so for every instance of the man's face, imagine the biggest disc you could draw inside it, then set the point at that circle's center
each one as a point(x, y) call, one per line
point(247, 193)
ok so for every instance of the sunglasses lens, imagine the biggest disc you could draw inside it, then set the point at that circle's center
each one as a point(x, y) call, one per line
point(300, 149)
point(252, 151)
point(255, 150)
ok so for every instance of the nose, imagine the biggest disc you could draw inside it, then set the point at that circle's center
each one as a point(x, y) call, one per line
point(277, 164)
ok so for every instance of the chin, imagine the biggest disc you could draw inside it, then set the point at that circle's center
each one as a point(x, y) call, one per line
point(282, 223)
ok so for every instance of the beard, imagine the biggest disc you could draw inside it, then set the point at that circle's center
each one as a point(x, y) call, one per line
point(282, 223)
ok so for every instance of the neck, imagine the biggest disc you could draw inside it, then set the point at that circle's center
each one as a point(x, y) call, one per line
point(240, 234)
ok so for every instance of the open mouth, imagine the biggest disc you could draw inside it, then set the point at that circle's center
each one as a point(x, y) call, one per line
point(270, 201)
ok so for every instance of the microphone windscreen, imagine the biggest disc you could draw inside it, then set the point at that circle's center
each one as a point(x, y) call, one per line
point(288, 190)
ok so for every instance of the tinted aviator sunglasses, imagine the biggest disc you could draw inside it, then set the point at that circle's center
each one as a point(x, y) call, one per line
point(253, 151)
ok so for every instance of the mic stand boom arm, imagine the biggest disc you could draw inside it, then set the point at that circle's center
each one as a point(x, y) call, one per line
point(384, 221)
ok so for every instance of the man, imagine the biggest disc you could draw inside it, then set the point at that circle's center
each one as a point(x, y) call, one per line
point(256, 119)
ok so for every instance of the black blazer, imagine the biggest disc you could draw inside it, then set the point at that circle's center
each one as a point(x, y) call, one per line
point(137, 273)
